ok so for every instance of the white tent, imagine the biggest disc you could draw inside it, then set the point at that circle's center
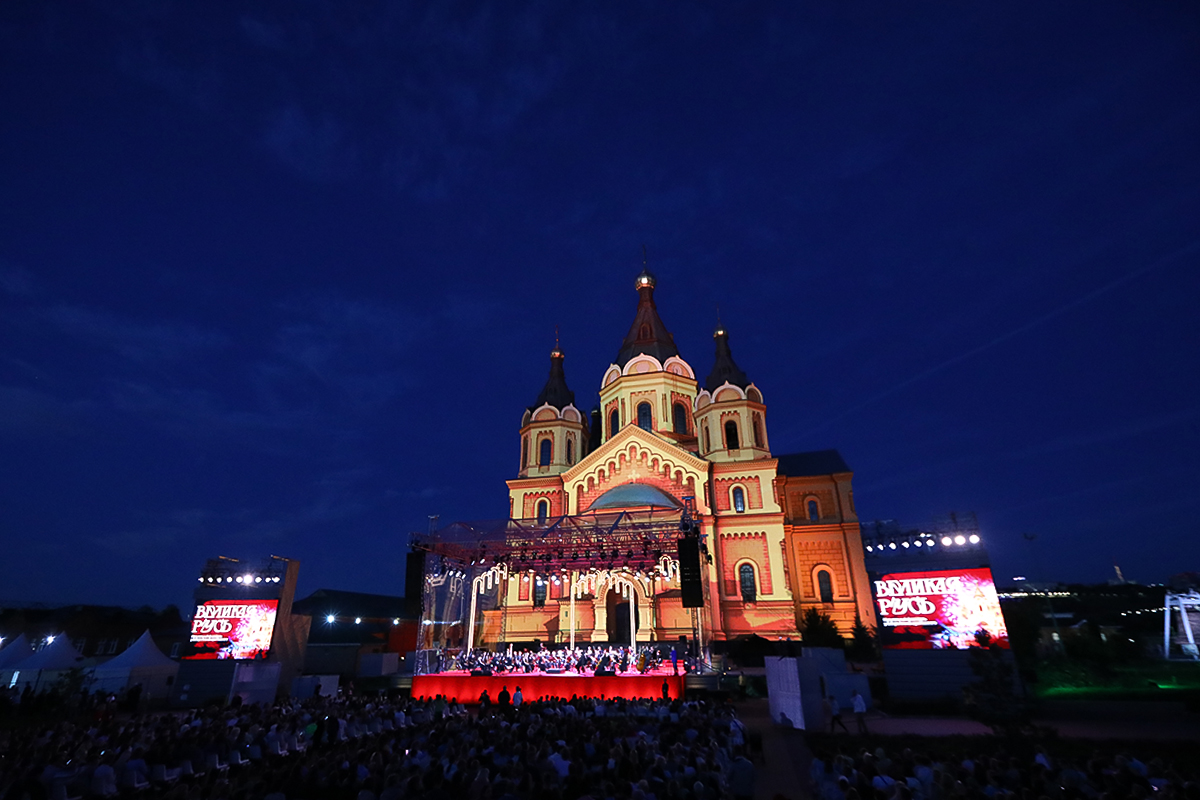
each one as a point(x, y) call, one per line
point(142, 662)
point(14, 652)
point(45, 666)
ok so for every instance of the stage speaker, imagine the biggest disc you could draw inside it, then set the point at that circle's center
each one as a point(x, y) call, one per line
point(688, 552)
point(554, 672)
point(605, 673)
point(476, 673)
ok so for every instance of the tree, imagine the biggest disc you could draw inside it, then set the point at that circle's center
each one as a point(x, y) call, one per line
point(992, 699)
point(819, 630)
point(863, 644)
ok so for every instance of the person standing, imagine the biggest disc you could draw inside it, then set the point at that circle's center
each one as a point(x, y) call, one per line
point(666, 690)
point(503, 699)
point(836, 714)
point(517, 699)
point(859, 704)
point(741, 777)
point(674, 660)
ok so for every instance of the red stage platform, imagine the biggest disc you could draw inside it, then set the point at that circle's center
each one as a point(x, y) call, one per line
point(536, 685)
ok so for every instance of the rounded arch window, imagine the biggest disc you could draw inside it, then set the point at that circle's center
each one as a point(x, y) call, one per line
point(679, 410)
point(707, 441)
point(814, 511)
point(731, 435)
point(543, 511)
point(614, 422)
point(570, 451)
point(545, 452)
point(644, 418)
point(739, 499)
point(746, 582)
point(825, 585)
point(758, 434)
point(524, 452)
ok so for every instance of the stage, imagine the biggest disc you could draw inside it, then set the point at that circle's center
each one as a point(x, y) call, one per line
point(537, 685)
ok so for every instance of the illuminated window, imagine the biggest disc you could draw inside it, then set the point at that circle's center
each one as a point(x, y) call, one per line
point(570, 451)
point(680, 412)
point(814, 511)
point(739, 499)
point(731, 436)
point(825, 586)
point(539, 593)
point(545, 450)
point(644, 420)
point(758, 437)
point(614, 423)
point(746, 579)
point(543, 511)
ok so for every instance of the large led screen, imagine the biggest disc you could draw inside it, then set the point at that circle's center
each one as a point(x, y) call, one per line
point(238, 629)
point(938, 610)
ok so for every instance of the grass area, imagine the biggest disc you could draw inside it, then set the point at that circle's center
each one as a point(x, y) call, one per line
point(1139, 681)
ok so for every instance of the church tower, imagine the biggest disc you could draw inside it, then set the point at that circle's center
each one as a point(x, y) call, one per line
point(554, 433)
point(649, 385)
point(731, 420)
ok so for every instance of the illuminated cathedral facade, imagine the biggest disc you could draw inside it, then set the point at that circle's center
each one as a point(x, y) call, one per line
point(781, 530)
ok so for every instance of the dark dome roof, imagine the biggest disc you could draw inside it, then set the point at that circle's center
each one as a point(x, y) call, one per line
point(555, 392)
point(631, 495)
point(648, 335)
point(724, 369)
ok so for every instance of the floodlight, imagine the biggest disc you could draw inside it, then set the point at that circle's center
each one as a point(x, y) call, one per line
point(329, 618)
point(947, 541)
point(358, 620)
point(960, 539)
point(973, 539)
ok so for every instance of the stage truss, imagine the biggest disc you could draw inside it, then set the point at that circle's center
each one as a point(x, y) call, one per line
point(469, 564)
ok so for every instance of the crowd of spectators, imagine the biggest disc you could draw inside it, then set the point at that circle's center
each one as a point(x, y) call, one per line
point(380, 749)
point(984, 768)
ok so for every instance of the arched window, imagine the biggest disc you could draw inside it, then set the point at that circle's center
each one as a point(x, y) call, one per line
point(814, 511)
point(825, 586)
point(570, 451)
point(644, 332)
point(680, 412)
point(539, 592)
point(758, 437)
point(614, 423)
point(731, 435)
point(524, 452)
point(543, 511)
point(739, 499)
point(644, 420)
point(545, 450)
point(707, 441)
point(746, 579)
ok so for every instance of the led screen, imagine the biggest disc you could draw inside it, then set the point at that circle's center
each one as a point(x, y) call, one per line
point(238, 629)
point(938, 610)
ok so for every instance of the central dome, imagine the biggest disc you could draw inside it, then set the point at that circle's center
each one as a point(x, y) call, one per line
point(634, 495)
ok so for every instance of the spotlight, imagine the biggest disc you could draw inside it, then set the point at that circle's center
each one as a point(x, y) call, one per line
point(329, 618)
point(246, 579)
point(239, 578)
point(258, 579)
point(891, 545)
point(396, 621)
point(358, 620)
point(917, 543)
point(960, 539)
point(869, 548)
point(904, 544)
point(973, 539)
point(49, 640)
point(202, 579)
point(947, 541)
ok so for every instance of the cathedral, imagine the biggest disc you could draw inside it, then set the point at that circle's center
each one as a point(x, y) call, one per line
point(780, 531)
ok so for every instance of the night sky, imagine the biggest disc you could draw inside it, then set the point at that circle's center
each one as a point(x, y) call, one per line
point(281, 278)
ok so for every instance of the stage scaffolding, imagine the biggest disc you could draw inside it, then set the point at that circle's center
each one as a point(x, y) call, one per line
point(1185, 607)
point(468, 567)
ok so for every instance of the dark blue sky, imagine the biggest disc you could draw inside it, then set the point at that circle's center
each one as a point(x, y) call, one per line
point(282, 278)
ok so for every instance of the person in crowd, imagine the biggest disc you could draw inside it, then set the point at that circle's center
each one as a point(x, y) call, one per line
point(859, 704)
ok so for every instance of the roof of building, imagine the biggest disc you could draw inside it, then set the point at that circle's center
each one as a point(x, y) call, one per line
point(647, 335)
point(555, 392)
point(634, 495)
point(817, 462)
point(724, 369)
point(349, 604)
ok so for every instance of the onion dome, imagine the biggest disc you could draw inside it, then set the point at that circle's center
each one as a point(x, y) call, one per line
point(724, 369)
point(555, 392)
point(648, 335)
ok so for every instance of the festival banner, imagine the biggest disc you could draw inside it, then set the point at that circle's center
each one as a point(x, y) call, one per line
point(938, 610)
point(236, 629)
